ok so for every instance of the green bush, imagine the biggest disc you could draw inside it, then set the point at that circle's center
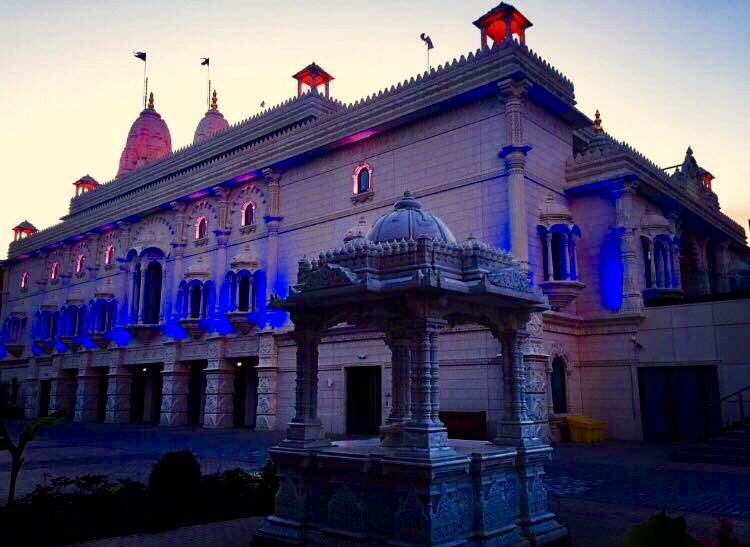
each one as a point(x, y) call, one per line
point(660, 531)
point(175, 478)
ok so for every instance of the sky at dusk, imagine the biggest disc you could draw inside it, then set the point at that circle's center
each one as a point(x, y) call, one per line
point(664, 74)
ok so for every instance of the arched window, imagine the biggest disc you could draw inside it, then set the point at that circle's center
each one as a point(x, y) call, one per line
point(24, 280)
point(201, 228)
point(248, 213)
point(109, 255)
point(559, 393)
point(244, 297)
point(152, 294)
point(54, 270)
point(196, 292)
point(80, 263)
point(558, 256)
point(363, 181)
point(362, 176)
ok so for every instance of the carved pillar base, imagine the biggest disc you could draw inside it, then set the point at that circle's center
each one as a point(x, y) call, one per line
point(267, 383)
point(174, 395)
point(219, 411)
point(118, 395)
point(537, 524)
point(87, 396)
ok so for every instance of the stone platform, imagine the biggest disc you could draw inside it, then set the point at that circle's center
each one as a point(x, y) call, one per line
point(361, 493)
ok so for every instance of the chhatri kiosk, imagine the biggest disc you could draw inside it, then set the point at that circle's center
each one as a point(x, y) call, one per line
point(411, 279)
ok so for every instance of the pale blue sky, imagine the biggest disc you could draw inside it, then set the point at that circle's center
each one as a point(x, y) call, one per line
point(665, 75)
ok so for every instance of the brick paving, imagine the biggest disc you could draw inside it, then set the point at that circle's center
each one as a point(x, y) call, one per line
point(598, 491)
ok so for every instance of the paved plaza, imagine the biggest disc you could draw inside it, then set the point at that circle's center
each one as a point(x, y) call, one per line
point(598, 491)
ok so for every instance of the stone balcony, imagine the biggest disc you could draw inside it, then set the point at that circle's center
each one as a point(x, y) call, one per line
point(561, 292)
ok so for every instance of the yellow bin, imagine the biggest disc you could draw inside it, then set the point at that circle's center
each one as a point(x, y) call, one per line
point(586, 430)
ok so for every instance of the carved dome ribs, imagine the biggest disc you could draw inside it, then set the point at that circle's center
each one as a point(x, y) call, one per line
point(408, 221)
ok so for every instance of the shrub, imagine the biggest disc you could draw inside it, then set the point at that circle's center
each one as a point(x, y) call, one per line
point(175, 478)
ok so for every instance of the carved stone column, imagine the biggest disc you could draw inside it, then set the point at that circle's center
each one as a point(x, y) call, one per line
point(175, 382)
point(397, 340)
point(514, 153)
point(118, 389)
point(268, 362)
point(31, 390)
point(632, 299)
point(536, 362)
point(273, 220)
point(62, 389)
point(305, 429)
point(219, 410)
point(87, 395)
point(177, 273)
point(722, 266)
point(424, 434)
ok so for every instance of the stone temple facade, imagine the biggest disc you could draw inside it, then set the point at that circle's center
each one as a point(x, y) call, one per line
point(149, 301)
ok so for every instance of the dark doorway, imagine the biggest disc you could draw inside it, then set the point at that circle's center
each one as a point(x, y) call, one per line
point(679, 403)
point(245, 393)
point(196, 394)
point(363, 400)
point(152, 296)
point(45, 390)
point(559, 391)
point(145, 395)
point(101, 396)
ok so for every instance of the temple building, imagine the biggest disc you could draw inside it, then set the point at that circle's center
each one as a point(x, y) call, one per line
point(150, 300)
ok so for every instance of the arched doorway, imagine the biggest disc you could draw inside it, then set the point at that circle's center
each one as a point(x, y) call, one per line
point(152, 294)
point(558, 387)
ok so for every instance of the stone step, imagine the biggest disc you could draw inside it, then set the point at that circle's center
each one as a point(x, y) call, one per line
point(732, 449)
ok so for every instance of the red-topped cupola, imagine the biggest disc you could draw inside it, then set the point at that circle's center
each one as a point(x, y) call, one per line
point(501, 23)
point(85, 184)
point(313, 77)
point(23, 230)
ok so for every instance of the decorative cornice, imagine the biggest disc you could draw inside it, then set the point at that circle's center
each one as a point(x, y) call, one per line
point(294, 129)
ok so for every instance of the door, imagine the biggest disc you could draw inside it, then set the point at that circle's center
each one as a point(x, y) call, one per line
point(195, 395)
point(678, 403)
point(101, 396)
point(245, 394)
point(137, 396)
point(363, 400)
point(45, 390)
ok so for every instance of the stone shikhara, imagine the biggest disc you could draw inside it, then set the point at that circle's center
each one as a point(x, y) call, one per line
point(171, 266)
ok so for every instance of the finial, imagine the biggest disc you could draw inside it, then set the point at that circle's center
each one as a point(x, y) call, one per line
point(598, 129)
point(151, 101)
point(689, 151)
point(214, 101)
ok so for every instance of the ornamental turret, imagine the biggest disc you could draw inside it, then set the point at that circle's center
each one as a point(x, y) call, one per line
point(85, 184)
point(503, 22)
point(313, 77)
point(148, 140)
point(23, 230)
point(212, 123)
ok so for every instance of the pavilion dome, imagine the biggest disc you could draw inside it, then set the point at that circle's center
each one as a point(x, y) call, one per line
point(408, 220)
point(148, 140)
point(212, 123)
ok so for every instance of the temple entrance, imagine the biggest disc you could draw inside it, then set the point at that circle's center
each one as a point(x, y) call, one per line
point(679, 403)
point(145, 395)
point(363, 400)
point(45, 391)
point(245, 392)
point(196, 394)
point(101, 394)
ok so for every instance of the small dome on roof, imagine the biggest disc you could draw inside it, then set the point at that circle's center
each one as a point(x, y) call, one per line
point(212, 123)
point(148, 140)
point(408, 220)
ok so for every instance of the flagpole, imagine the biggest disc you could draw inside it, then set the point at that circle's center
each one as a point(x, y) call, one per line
point(145, 84)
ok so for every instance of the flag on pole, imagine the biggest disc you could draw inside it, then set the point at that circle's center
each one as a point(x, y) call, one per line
point(427, 40)
point(205, 61)
point(140, 55)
